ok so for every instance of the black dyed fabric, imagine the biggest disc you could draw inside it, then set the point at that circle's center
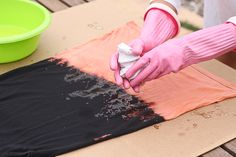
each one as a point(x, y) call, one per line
point(47, 109)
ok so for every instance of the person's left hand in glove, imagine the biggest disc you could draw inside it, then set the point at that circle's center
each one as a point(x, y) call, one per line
point(177, 54)
point(160, 24)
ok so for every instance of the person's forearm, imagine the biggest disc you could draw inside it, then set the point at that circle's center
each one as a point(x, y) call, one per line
point(209, 43)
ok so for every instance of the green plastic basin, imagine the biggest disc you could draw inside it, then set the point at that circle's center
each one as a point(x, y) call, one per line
point(21, 23)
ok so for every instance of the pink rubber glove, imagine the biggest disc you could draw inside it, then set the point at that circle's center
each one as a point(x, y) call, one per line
point(158, 27)
point(177, 54)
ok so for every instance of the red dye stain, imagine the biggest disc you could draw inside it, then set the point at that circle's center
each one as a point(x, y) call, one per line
point(101, 137)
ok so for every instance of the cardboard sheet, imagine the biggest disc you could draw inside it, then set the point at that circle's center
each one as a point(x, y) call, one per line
point(189, 135)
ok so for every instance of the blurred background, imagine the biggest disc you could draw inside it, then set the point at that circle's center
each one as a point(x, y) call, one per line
point(194, 5)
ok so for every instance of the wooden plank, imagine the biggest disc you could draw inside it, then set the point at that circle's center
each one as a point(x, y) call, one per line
point(73, 2)
point(53, 5)
point(231, 147)
point(218, 152)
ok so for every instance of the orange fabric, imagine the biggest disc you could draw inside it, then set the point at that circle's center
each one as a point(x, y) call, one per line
point(169, 96)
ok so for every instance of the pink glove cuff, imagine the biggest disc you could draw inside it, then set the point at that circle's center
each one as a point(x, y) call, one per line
point(233, 21)
point(158, 27)
point(168, 11)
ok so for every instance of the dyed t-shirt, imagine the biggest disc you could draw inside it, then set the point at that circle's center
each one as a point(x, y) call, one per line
point(70, 101)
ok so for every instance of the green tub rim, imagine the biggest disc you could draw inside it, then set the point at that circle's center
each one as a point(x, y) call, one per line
point(38, 30)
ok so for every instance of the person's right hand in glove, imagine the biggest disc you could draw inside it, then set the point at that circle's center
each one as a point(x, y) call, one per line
point(176, 54)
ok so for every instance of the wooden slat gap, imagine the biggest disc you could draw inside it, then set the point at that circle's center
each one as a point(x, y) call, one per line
point(53, 5)
point(229, 151)
point(65, 3)
point(44, 6)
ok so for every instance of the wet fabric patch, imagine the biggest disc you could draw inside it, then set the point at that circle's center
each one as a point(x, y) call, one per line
point(47, 109)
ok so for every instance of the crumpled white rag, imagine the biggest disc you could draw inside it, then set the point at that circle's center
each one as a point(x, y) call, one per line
point(126, 59)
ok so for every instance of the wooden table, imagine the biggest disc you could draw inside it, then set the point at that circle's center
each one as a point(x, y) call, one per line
point(226, 150)
point(57, 5)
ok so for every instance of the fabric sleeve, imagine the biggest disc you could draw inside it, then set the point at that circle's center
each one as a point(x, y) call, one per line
point(175, 3)
point(233, 21)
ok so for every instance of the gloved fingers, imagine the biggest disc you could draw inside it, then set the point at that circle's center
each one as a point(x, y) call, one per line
point(154, 74)
point(118, 78)
point(137, 46)
point(126, 83)
point(143, 61)
point(162, 74)
point(136, 89)
point(114, 62)
point(139, 79)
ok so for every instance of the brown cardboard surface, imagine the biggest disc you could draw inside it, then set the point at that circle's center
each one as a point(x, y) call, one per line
point(189, 135)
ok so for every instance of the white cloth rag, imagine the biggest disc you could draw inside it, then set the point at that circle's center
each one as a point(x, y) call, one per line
point(126, 59)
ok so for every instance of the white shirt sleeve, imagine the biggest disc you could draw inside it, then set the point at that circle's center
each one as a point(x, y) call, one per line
point(232, 20)
point(175, 3)
point(218, 11)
